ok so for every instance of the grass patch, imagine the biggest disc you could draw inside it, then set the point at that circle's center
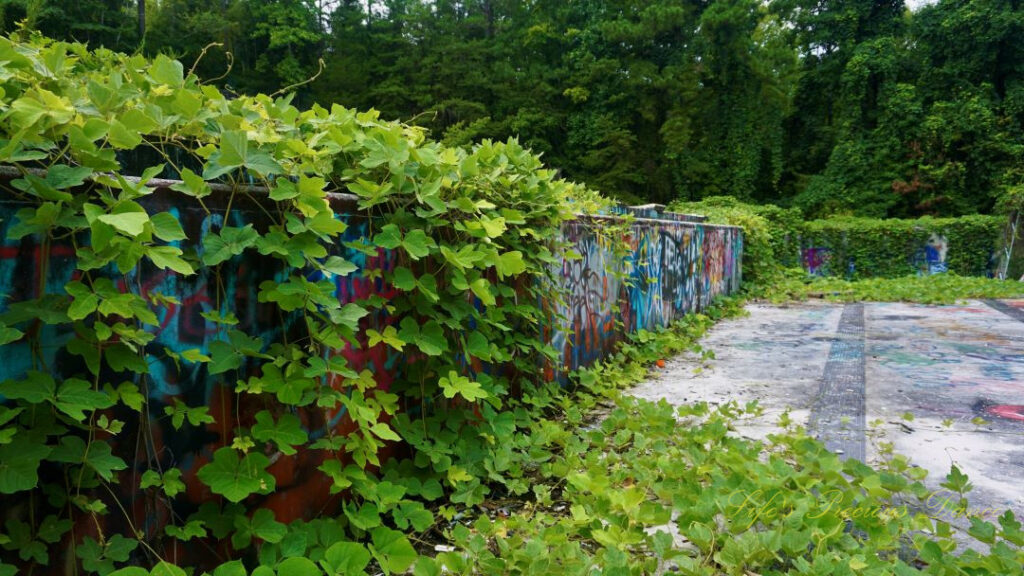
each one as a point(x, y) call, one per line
point(945, 288)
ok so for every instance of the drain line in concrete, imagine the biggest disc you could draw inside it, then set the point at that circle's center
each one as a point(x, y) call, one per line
point(837, 415)
point(1015, 313)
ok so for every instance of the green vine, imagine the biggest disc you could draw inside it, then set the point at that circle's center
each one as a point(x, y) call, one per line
point(492, 468)
point(469, 234)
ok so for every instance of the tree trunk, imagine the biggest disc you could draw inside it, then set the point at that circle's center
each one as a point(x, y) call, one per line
point(489, 16)
point(142, 19)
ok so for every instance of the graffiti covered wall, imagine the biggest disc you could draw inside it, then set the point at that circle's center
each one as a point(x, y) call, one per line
point(671, 267)
point(874, 248)
point(925, 259)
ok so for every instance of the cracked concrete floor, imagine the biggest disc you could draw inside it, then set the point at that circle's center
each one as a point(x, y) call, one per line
point(946, 365)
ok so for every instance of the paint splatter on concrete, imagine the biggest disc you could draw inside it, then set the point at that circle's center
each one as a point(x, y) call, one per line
point(946, 365)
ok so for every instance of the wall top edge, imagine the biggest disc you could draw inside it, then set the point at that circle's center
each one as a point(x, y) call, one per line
point(655, 221)
point(8, 172)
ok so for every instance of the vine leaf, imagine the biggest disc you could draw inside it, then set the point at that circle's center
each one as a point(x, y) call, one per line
point(389, 237)
point(85, 300)
point(404, 279)
point(384, 432)
point(339, 266)
point(510, 264)
point(63, 176)
point(262, 525)
point(346, 558)
point(283, 190)
point(230, 242)
point(122, 136)
point(482, 289)
point(413, 514)
point(192, 184)
point(363, 517)
point(389, 337)
point(37, 387)
point(166, 227)
point(100, 558)
point(192, 529)
point(165, 568)
point(297, 566)
point(478, 346)
point(236, 478)
point(392, 550)
point(19, 463)
point(233, 568)
point(418, 244)
point(75, 397)
point(286, 432)
point(197, 415)
point(170, 481)
point(454, 384)
point(167, 71)
point(429, 338)
point(168, 257)
point(131, 223)
point(348, 315)
point(53, 528)
point(97, 455)
point(40, 188)
point(234, 153)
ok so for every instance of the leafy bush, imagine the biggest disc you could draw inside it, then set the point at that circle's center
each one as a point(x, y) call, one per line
point(857, 247)
point(870, 248)
point(469, 240)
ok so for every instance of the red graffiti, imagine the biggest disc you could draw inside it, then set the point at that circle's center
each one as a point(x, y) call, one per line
point(1010, 411)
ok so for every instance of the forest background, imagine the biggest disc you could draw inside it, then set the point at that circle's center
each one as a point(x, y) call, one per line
point(838, 107)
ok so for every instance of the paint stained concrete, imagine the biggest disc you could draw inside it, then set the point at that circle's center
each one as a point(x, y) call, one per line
point(946, 365)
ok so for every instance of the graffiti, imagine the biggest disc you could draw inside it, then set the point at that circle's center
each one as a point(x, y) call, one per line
point(816, 260)
point(935, 254)
point(929, 258)
point(655, 212)
point(946, 358)
point(673, 265)
point(1009, 411)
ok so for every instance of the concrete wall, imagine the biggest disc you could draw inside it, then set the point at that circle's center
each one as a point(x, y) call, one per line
point(672, 267)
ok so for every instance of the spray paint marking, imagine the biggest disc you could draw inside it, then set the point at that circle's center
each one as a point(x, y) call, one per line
point(1009, 411)
point(1011, 311)
point(837, 416)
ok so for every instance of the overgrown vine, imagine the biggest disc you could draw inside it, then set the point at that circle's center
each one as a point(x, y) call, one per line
point(465, 237)
point(492, 469)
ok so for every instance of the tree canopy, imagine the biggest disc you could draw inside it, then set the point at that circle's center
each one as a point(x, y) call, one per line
point(835, 106)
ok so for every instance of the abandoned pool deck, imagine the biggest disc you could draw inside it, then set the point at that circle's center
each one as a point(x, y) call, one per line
point(838, 368)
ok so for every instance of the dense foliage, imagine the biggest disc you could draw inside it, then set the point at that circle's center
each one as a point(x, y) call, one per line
point(884, 248)
point(838, 106)
point(471, 233)
point(776, 239)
